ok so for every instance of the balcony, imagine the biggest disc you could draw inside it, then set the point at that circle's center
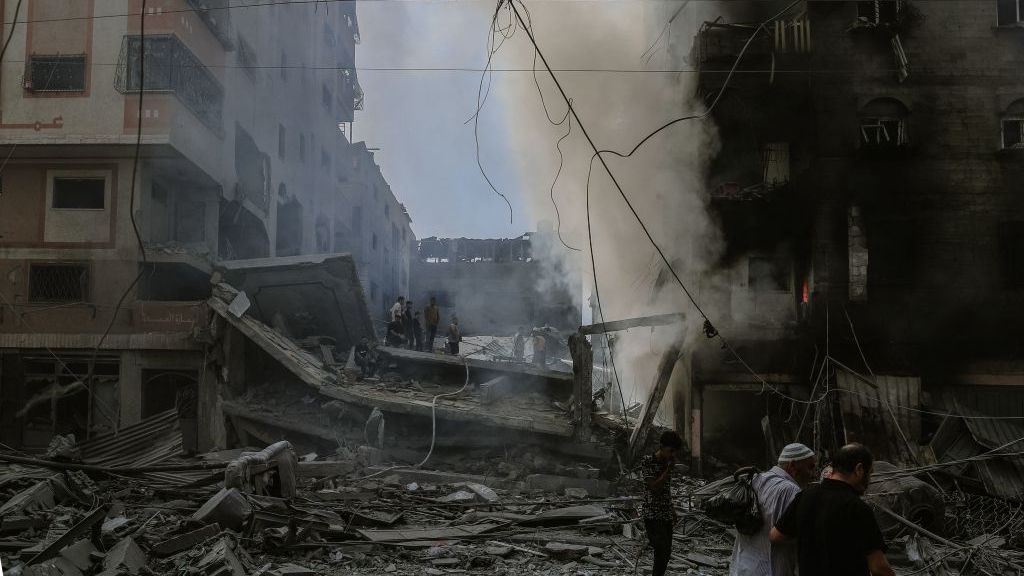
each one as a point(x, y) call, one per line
point(171, 68)
point(217, 17)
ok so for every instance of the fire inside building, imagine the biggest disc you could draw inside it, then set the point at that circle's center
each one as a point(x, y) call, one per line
point(224, 350)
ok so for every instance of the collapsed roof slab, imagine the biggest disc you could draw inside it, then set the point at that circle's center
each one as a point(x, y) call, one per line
point(305, 296)
point(453, 368)
point(310, 371)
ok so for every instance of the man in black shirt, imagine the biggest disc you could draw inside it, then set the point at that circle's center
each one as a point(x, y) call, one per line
point(836, 533)
point(656, 507)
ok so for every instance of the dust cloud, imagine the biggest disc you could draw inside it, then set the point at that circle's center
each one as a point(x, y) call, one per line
point(665, 180)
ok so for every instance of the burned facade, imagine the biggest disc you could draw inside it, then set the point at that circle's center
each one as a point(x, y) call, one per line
point(867, 188)
point(497, 286)
point(105, 278)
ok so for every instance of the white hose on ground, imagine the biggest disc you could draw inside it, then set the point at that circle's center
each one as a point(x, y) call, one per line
point(433, 426)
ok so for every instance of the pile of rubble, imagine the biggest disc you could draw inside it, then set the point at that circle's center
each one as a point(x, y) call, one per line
point(270, 512)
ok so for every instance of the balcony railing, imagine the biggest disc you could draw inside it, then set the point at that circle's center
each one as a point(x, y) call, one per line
point(170, 67)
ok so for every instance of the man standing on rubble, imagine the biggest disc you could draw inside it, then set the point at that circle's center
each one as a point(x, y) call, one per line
point(835, 530)
point(397, 309)
point(407, 325)
point(432, 316)
point(755, 555)
point(519, 345)
point(656, 509)
point(454, 336)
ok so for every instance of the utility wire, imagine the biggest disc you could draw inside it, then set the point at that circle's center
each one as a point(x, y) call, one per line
point(481, 97)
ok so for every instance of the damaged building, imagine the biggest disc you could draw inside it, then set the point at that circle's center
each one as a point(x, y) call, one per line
point(497, 286)
point(107, 248)
point(871, 220)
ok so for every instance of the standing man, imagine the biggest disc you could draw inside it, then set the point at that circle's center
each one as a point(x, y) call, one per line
point(836, 533)
point(656, 509)
point(755, 555)
point(540, 349)
point(407, 325)
point(417, 331)
point(519, 345)
point(454, 336)
point(432, 316)
point(397, 309)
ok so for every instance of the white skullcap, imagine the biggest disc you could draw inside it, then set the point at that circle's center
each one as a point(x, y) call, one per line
point(795, 452)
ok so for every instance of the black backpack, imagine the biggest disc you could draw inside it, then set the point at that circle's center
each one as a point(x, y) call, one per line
point(737, 504)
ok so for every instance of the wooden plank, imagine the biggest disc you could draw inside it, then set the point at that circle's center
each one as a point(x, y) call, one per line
point(643, 428)
point(626, 324)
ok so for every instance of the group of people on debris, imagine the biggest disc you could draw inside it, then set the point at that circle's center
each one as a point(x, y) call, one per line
point(405, 327)
point(810, 529)
point(537, 340)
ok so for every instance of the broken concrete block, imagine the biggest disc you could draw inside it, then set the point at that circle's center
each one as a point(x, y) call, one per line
point(566, 551)
point(40, 496)
point(450, 562)
point(125, 555)
point(460, 496)
point(80, 554)
point(229, 508)
point(577, 493)
point(482, 491)
point(498, 551)
point(551, 483)
point(223, 559)
point(53, 567)
point(185, 541)
point(369, 456)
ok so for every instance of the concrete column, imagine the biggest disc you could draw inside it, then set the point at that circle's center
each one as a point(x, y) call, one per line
point(129, 383)
point(696, 426)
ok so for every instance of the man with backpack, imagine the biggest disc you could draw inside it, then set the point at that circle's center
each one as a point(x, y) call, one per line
point(656, 508)
point(753, 554)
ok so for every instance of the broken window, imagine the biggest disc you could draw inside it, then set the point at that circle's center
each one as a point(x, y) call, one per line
point(879, 11)
point(76, 193)
point(883, 124)
point(289, 228)
point(1011, 12)
point(190, 221)
point(56, 73)
point(161, 390)
point(325, 98)
point(775, 163)
point(768, 273)
point(58, 282)
point(893, 247)
point(171, 67)
point(252, 168)
point(1011, 254)
point(247, 60)
point(57, 401)
point(1013, 125)
point(173, 282)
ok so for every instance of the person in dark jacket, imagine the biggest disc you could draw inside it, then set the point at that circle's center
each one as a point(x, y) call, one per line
point(417, 331)
point(836, 531)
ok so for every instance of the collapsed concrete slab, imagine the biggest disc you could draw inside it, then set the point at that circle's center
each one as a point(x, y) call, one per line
point(311, 372)
point(305, 297)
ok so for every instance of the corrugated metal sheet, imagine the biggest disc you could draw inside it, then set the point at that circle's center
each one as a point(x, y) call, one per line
point(959, 438)
point(152, 441)
point(867, 419)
